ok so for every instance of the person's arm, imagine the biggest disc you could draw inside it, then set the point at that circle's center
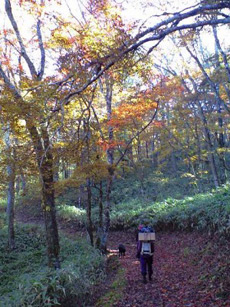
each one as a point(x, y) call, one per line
point(152, 247)
point(138, 249)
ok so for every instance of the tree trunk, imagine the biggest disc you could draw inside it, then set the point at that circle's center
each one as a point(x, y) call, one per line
point(56, 169)
point(210, 154)
point(81, 196)
point(107, 209)
point(89, 226)
point(50, 213)
point(45, 166)
point(220, 135)
point(24, 187)
point(208, 140)
point(110, 160)
point(146, 150)
point(154, 155)
point(17, 185)
point(100, 234)
point(10, 206)
point(10, 190)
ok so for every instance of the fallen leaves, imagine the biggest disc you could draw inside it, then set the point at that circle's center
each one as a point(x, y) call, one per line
point(185, 271)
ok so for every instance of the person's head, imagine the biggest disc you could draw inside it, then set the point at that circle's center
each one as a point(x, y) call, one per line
point(140, 226)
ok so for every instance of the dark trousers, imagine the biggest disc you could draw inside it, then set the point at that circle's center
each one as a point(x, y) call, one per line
point(146, 265)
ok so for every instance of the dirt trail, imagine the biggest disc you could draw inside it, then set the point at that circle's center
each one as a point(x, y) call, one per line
point(183, 263)
point(189, 270)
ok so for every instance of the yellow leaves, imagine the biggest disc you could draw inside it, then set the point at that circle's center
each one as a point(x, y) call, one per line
point(96, 170)
point(223, 150)
point(61, 39)
point(60, 144)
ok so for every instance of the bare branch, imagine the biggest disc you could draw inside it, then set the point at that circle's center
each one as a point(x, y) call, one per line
point(9, 83)
point(177, 17)
point(137, 134)
point(42, 50)
point(160, 31)
point(10, 15)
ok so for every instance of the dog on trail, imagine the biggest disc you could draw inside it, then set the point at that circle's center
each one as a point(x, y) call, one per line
point(122, 250)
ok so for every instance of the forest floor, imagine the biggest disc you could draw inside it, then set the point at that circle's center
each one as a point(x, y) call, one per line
point(189, 270)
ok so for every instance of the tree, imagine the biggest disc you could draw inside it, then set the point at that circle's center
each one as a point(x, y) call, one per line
point(38, 98)
point(10, 152)
point(36, 124)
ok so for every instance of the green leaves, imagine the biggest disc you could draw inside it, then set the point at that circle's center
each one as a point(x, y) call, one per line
point(209, 212)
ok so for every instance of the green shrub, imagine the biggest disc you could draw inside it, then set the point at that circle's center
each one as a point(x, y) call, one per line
point(27, 281)
point(210, 211)
point(71, 213)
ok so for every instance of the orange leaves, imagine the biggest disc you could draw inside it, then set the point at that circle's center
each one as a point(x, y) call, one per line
point(6, 61)
point(30, 1)
point(158, 123)
point(112, 144)
point(130, 113)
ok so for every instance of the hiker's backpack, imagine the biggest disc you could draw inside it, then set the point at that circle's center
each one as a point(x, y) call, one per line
point(146, 249)
point(146, 236)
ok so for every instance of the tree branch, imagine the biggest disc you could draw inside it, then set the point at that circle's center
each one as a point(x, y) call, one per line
point(42, 50)
point(10, 15)
point(157, 37)
point(137, 134)
point(9, 83)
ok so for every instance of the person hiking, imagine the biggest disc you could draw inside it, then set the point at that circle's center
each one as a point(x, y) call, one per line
point(145, 250)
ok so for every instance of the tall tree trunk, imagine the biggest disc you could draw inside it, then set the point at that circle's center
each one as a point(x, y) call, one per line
point(56, 169)
point(45, 166)
point(146, 150)
point(107, 208)
point(139, 158)
point(10, 206)
point(10, 190)
point(172, 155)
point(24, 186)
point(220, 135)
point(110, 160)
point(89, 226)
point(81, 196)
point(210, 154)
point(99, 239)
point(154, 155)
point(208, 140)
point(100, 205)
point(17, 185)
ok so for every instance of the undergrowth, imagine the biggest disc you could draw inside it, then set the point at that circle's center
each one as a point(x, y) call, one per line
point(209, 211)
point(27, 281)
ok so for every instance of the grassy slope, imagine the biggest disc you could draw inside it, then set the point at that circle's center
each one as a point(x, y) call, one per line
point(208, 211)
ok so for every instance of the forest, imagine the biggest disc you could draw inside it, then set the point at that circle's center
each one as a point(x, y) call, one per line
point(114, 114)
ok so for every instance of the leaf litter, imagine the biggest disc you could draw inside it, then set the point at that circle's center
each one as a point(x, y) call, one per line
point(190, 269)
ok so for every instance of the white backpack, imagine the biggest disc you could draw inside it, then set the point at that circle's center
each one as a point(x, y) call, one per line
point(146, 248)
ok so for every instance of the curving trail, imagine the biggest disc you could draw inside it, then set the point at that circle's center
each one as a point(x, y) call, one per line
point(184, 266)
point(189, 269)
